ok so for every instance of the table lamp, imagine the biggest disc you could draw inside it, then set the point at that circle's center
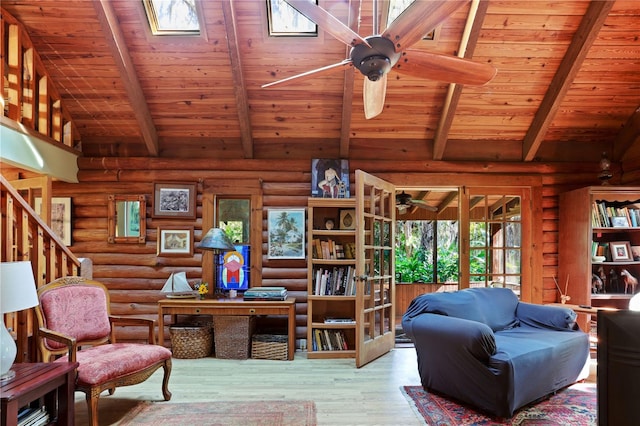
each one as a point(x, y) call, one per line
point(17, 292)
point(216, 241)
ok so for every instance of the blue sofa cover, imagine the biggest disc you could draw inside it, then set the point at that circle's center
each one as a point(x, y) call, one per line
point(484, 347)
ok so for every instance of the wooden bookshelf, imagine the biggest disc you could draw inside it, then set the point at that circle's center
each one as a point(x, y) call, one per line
point(587, 228)
point(331, 302)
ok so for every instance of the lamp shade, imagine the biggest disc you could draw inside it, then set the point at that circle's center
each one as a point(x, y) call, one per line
point(17, 287)
point(216, 240)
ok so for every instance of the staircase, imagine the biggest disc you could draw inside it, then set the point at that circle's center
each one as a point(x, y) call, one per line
point(24, 236)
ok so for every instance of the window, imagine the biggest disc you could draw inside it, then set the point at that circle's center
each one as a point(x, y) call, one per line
point(495, 235)
point(234, 218)
point(172, 17)
point(427, 251)
point(284, 20)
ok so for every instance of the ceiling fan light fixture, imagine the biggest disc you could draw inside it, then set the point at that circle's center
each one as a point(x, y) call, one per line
point(374, 67)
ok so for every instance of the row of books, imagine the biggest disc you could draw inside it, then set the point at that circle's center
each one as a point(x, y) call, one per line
point(610, 216)
point(329, 340)
point(330, 249)
point(336, 281)
point(29, 416)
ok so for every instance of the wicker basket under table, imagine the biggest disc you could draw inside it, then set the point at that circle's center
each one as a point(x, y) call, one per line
point(232, 336)
point(269, 346)
point(190, 341)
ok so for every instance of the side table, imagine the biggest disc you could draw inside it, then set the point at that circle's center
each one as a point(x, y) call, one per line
point(54, 382)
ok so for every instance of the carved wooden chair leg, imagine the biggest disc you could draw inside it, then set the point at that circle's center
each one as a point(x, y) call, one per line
point(92, 406)
point(165, 380)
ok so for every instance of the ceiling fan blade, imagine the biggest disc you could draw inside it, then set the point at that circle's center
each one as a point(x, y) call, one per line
point(443, 67)
point(327, 22)
point(311, 74)
point(373, 94)
point(417, 20)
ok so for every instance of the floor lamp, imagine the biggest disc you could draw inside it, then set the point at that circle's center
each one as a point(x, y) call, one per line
point(17, 292)
point(216, 241)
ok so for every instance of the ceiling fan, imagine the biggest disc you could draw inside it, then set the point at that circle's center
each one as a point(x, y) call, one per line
point(376, 55)
point(404, 201)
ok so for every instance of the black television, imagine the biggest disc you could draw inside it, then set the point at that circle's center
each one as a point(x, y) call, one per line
point(618, 368)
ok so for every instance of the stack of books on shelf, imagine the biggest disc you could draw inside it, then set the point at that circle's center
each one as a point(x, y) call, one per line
point(265, 293)
point(28, 416)
point(329, 340)
point(614, 215)
point(336, 281)
point(327, 249)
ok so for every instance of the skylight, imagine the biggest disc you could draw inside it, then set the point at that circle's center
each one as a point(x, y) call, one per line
point(172, 17)
point(396, 7)
point(284, 20)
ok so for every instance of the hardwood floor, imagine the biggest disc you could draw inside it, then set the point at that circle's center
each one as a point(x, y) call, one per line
point(344, 395)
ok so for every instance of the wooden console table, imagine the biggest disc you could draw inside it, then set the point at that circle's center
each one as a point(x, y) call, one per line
point(238, 307)
point(55, 382)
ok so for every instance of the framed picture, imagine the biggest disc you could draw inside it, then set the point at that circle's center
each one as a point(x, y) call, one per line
point(235, 270)
point(175, 241)
point(286, 234)
point(635, 252)
point(330, 178)
point(60, 217)
point(348, 219)
point(620, 251)
point(174, 200)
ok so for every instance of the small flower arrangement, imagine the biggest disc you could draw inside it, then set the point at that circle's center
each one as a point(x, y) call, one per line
point(202, 288)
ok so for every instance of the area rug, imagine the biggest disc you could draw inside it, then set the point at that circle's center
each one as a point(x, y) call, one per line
point(575, 405)
point(227, 413)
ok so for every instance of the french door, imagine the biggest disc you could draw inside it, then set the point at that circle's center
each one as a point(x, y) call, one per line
point(375, 267)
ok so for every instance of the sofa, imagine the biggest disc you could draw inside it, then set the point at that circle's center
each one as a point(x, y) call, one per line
point(484, 347)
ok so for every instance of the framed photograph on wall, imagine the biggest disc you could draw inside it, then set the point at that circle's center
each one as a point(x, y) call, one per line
point(174, 200)
point(348, 219)
point(60, 217)
point(175, 241)
point(620, 251)
point(286, 234)
point(330, 178)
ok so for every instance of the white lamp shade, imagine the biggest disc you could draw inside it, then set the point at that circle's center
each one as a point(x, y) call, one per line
point(17, 287)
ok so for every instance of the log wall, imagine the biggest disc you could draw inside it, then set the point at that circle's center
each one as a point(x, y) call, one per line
point(134, 274)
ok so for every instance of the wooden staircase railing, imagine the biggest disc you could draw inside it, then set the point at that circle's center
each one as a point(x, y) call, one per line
point(24, 236)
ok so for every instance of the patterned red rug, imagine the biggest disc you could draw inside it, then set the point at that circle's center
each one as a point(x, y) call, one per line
point(228, 413)
point(575, 405)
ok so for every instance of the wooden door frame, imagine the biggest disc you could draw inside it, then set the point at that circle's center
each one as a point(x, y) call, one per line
point(249, 188)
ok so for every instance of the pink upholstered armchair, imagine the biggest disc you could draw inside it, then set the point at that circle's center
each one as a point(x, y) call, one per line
point(75, 324)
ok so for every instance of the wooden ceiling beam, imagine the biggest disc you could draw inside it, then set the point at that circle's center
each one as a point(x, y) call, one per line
point(477, 13)
point(587, 32)
point(347, 89)
point(117, 45)
point(627, 137)
point(239, 87)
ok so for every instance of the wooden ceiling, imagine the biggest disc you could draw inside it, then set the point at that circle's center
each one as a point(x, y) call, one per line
point(567, 87)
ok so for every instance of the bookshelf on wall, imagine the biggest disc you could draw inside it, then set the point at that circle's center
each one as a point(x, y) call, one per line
point(599, 238)
point(331, 305)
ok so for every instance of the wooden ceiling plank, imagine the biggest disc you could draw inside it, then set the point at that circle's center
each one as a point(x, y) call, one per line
point(587, 32)
point(628, 136)
point(239, 86)
point(116, 41)
point(477, 13)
